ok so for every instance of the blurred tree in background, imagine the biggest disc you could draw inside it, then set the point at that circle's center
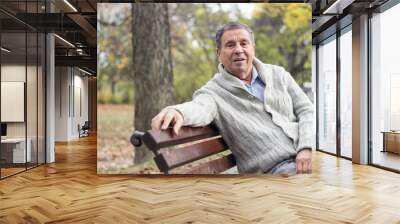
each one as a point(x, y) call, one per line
point(114, 36)
point(282, 33)
point(283, 37)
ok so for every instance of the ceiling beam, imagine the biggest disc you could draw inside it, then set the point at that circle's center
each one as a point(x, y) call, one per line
point(320, 23)
point(49, 22)
point(337, 7)
point(83, 23)
point(82, 61)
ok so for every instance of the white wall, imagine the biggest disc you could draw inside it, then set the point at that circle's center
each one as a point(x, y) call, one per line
point(80, 110)
point(71, 94)
point(62, 81)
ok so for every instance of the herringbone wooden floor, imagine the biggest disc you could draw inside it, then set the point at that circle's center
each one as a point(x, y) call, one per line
point(70, 191)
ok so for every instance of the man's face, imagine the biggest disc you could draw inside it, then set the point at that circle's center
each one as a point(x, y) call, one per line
point(237, 53)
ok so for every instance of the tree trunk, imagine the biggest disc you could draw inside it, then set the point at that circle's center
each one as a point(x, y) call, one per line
point(152, 64)
point(113, 84)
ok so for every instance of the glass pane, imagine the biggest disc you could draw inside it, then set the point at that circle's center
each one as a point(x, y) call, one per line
point(346, 94)
point(32, 85)
point(14, 153)
point(327, 97)
point(22, 67)
point(31, 97)
point(386, 89)
point(41, 99)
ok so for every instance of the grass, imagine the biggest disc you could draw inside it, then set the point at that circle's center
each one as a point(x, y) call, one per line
point(115, 126)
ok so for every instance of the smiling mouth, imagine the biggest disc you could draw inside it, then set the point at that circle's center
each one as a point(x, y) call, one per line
point(239, 59)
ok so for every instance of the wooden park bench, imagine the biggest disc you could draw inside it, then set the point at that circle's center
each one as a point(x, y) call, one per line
point(207, 142)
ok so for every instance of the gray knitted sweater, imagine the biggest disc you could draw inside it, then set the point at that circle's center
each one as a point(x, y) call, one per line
point(259, 134)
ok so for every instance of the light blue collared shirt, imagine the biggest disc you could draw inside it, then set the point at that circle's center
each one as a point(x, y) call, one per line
point(256, 86)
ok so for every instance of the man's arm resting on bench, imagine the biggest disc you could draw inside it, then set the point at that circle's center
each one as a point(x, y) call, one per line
point(199, 112)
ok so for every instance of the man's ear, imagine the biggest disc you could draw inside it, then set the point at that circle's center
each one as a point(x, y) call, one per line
point(218, 52)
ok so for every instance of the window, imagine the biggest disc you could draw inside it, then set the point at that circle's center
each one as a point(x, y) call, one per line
point(346, 93)
point(385, 86)
point(327, 96)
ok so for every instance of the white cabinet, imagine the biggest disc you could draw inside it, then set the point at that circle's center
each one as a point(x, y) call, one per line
point(18, 149)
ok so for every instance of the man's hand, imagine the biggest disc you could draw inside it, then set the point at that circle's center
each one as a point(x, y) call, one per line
point(303, 161)
point(167, 117)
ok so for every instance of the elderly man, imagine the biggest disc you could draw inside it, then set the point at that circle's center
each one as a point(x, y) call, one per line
point(261, 112)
